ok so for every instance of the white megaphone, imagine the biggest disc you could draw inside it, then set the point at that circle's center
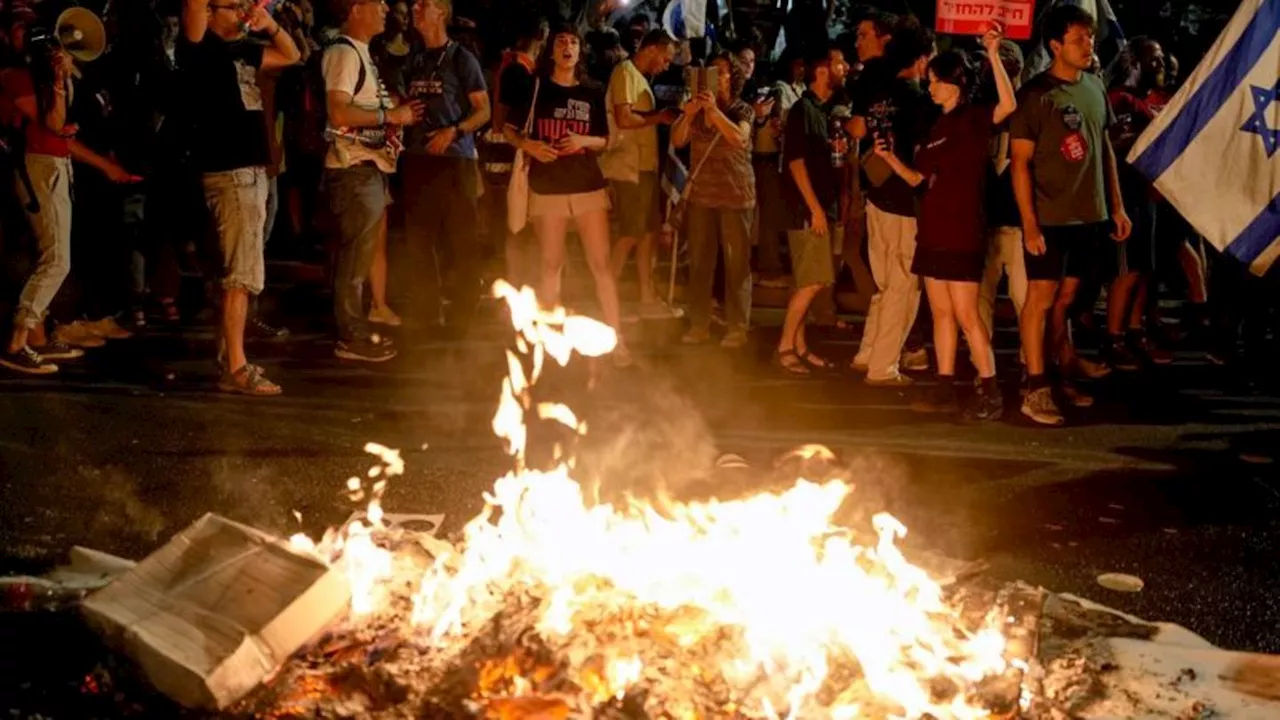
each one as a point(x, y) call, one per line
point(81, 34)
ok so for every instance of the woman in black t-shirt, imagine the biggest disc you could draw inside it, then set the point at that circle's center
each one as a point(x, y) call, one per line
point(568, 131)
point(950, 242)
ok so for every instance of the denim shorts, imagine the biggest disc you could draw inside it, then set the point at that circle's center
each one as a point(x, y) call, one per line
point(237, 202)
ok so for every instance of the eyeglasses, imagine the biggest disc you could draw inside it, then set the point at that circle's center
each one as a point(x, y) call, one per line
point(236, 7)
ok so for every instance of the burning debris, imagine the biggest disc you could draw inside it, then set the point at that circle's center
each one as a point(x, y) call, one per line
point(550, 606)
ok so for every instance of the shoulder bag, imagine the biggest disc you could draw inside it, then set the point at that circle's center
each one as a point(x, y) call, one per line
point(518, 188)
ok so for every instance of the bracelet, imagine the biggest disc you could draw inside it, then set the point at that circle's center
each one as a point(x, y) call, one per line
point(276, 31)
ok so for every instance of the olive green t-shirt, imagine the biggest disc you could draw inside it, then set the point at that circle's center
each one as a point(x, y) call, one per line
point(1068, 123)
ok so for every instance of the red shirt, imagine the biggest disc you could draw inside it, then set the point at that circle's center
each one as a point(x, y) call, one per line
point(953, 160)
point(40, 140)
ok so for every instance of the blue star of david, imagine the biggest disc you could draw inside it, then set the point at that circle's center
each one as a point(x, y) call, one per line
point(1257, 123)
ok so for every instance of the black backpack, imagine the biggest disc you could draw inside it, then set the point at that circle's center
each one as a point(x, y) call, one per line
point(309, 137)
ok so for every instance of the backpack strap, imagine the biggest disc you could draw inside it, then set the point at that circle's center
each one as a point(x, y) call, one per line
point(361, 77)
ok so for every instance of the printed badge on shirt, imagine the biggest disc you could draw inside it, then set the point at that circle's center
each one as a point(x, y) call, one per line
point(247, 79)
point(428, 87)
point(572, 119)
point(1074, 147)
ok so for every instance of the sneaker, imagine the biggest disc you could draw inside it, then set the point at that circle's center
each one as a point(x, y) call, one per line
point(941, 398)
point(658, 310)
point(860, 365)
point(28, 361)
point(1040, 407)
point(734, 339)
point(915, 360)
point(78, 334)
point(108, 328)
point(893, 381)
point(696, 336)
point(384, 316)
point(987, 403)
point(257, 329)
point(1075, 397)
point(1146, 347)
point(370, 349)
point(57, 351)
point(1120, 357)
point(1089, 369)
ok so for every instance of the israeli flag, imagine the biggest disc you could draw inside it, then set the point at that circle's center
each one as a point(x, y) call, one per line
point(1212, 151)
point(1108, 41)
point(686, 19)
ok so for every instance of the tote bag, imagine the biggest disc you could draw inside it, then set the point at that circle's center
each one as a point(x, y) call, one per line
point(518, 188)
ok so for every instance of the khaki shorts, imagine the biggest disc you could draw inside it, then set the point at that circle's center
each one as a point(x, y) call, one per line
point(237, 201)
point(569, 206)
point(639, 211)
point(811, 261)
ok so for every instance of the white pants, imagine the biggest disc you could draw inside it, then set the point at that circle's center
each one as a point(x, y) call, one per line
point(891, 245)
point(1004, 257)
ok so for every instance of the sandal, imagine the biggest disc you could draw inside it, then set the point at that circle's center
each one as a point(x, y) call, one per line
point(248, 380)
point(813, 361)
point(790, 362)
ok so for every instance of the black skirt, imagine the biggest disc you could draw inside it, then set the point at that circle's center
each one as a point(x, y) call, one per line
point(953, 265)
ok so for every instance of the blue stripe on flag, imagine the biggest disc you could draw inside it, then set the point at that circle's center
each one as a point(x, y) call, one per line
point(1259, 235)
point(1209, 98)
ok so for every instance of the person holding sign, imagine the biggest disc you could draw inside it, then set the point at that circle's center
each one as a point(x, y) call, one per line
point(950, 241)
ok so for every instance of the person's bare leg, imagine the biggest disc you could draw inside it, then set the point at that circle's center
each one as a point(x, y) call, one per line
point(1031, 323)
point(550, 231)
point(793, 323)
point(644, 268)
point(593, 228)
point(378, 271)
point(1061, 343)
point(964, 305)
point(618, 255)
point(38, 336)
point(1193, 268)
point(1120, 297)
point(235, 308)
point(945, 331)
point(18, 339)
point(1137, 312)
point(513, 251)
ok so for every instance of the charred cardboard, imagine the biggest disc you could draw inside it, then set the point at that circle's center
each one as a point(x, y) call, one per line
point(216, 610)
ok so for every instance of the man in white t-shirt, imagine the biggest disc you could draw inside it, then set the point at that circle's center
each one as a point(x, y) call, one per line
point(363, 132)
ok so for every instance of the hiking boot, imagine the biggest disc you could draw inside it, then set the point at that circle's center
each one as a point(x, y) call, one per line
point(915, 360)
point(28, 361)
point(57, 351)
point(248, 380)
point(1144, 346)
point(384, 316)
point(108, 328)
point(257, 329)
point(987, 402)
point(1120, 357)
point(78, 334)
point(1040, 407)
point(941, 398)
point(372, 349)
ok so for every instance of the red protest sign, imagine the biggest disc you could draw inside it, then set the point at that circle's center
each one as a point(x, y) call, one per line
point(972, 17)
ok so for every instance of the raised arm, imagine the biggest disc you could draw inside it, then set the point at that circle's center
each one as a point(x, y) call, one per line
point(283, 52)
point(1004, 86)
point(737, 134)
point(195, 19)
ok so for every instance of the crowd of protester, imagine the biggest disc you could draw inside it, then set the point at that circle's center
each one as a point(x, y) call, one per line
point(942, 173)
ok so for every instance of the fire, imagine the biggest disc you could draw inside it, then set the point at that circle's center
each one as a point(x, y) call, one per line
point(778, 600)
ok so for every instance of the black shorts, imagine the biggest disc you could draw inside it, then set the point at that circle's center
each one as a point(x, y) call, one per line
point(1075, 251)
point(1138, 253)
point(951, 265)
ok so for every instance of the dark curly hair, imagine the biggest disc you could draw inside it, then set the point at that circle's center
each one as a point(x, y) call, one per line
point(954, 68)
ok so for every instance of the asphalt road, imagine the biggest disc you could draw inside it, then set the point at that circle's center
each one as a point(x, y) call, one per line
point(1172, 477)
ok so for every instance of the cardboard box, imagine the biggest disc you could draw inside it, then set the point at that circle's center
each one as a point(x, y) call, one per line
point(216, 611)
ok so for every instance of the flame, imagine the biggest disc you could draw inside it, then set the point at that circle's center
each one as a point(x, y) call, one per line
point(800, 596)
